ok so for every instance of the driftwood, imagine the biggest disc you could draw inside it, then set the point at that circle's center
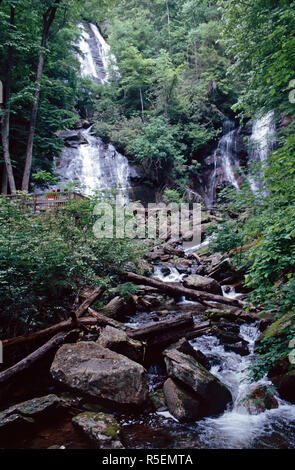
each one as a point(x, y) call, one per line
point(9, 374)
point(175, 290)
point(89, 301)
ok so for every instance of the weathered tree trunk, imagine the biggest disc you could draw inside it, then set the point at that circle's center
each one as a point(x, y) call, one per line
point(180, 291)
point(10, 374)
point(6, 114)
point(48, 19)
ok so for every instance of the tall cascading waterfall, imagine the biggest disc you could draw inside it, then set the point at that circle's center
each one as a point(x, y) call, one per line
point(87, 160)
point(226, 163)
point(262, 142)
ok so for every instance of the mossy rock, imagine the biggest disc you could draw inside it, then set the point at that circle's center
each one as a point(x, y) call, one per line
point(279, 327)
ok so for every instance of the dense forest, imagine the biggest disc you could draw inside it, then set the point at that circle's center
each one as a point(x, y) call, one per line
point(178, 72)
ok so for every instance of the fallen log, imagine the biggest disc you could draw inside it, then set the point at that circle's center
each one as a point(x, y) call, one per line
point(152, 331)
point(102, 320)
point(48, 332)
point(9, 374)
point(89, 301)
point(176, 290)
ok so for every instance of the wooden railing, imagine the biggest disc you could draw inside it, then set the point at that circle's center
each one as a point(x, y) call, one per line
point(44, 202)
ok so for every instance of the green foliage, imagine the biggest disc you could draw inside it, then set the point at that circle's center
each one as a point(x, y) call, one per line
point(47, 259)
point(171, 195)
point(126, 290)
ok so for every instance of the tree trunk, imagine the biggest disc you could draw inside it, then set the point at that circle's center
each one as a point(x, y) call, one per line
point(4, 182)
point(11, 373)
point(142, 105)
point(180, 291)
point(48, 19)
point(6, 112)
point(150, 332)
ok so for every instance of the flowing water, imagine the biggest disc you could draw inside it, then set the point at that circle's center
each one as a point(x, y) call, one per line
point(95, 166)
point(236, 428)
point(226, 162)
point(262, 142)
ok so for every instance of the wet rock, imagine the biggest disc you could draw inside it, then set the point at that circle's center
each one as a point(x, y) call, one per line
point(226, 337)
point(186, 348)
point(182, 404)
point(260, 400)
point(240, 348)
point(165, 271)
point(202, 283)
point(158, 400)
point(28, 412)
point(100, 373)
point(102, 429)
point(118, 341)
point(285, 384)
point(214, 395)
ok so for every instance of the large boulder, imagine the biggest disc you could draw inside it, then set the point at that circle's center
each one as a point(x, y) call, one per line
point(28, 413)
point(182, 404)
point(213, 394)
point(101, 428)
point(202, 283)
point(118, 341)
point(185, 347)
point(285, 384)
point(97, 372)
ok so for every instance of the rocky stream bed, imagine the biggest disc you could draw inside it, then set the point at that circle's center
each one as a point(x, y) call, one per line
point(129, 385)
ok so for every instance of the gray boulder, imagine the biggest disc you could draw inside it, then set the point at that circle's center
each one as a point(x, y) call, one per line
point(97, 372)
point(202, 283)
point(102, 429)
point(118, 341)
point(213, 394)
point(182, 404)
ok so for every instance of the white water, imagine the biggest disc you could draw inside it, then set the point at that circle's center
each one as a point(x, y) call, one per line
point(237, 428)
point(261, 144)
point(226, 162)
point(174, 275)
point(95, 165)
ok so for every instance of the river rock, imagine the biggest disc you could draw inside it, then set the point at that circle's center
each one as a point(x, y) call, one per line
point(185, 347)
point(182, 404)
point(213, 394)
point(97, 372)
point(158, 400)
point(260, 400)
point(240, 348)
point(118, 341)
point(202, 283)
point(286, 385)
point(28, 412)
point(101, 428)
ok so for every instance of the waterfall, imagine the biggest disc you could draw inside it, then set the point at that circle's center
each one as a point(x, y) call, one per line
point(95, 166)
point(262, 143)
point(87, 160)
point(225, 161)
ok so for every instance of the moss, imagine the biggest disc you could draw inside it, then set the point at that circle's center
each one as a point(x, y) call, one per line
point(279, 327)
